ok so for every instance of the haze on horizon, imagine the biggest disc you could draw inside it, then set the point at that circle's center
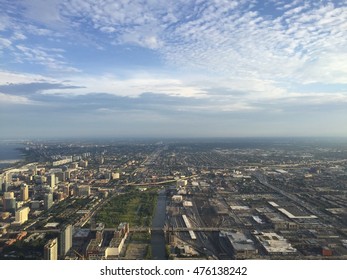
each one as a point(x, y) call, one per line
point(176, 68)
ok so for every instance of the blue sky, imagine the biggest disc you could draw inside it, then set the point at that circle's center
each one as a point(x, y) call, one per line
point(178, 68)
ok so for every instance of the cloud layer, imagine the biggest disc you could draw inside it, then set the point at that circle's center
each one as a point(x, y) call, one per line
point(220, 61)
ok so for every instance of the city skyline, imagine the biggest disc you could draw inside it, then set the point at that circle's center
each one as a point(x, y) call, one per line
point(173, 69)
point(173, 200)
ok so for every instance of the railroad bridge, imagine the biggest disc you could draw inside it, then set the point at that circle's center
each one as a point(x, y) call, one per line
point(174, 229)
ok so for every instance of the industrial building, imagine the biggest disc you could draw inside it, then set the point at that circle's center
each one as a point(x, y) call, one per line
point(242, 247)
point(275, 244)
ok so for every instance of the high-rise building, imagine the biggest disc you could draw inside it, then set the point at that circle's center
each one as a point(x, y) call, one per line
point(50, 250)
point(66, 191)
point(2, 181)
point(48, 200)
point(51, 181)
point(24, 192)
point(65, 240)
point(9, 202)
point(61, 176)
point(5, 186)
point(67, 174)
point(8, 177)
point(22, 215)
point(33, 170)
point(5, 181)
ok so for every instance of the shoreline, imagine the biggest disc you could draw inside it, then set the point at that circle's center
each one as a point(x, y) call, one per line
point(16, 159)
point(10, 161)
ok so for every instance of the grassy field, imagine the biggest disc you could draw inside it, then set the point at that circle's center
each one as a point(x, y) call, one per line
point(134, 207)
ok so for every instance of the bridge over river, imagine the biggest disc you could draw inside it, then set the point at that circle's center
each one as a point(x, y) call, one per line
point(175, 229)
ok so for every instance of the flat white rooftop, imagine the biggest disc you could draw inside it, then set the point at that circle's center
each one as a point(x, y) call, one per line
point(51, 225)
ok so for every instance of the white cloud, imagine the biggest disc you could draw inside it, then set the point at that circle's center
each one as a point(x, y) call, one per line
point(45, 12)
point(5, 43)
point(247, 44)
point(7, 78)
point(228, 41)
point(328, 68)
point(18, 36)
point(50, 58)
point(107, 29)
point(38, 31)
point(131, 87)
point(292, 4)
point(227, 37)
point(230, 106)
point(4, 22)
point(307, 100)
point(13, 99)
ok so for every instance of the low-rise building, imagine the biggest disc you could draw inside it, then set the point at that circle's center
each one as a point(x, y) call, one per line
point(275, 244)
point(242, 247)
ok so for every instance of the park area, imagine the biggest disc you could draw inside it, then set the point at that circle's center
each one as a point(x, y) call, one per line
point(134, 207)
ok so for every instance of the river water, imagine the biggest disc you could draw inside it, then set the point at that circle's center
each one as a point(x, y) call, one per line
point(157, 237)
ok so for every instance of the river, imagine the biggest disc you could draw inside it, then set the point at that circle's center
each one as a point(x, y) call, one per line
point(157, 237)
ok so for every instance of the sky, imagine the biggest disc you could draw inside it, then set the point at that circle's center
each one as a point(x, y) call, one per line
point(174, 68)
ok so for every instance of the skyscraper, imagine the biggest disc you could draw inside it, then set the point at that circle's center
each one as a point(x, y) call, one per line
point(48, 200)
point(65, 240)
point(51, 181)
point(22, 215)
point(66, 190)
point(9, 202)
point(50, 250)
point(61, 176)
point(33, 170)
point(8, 177)
point(24, 192)
point(5, 181)
point(2, 181)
